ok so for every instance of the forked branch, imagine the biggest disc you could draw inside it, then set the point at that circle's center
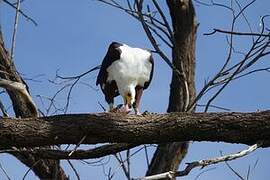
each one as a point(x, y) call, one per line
point(22, 90)
point(202, 164)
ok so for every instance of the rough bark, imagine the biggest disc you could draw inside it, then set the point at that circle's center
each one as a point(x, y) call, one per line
point(168, 156)
point(44, 169)
point(246, 128)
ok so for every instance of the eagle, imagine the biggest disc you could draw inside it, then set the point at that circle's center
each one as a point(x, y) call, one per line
point(125, 71)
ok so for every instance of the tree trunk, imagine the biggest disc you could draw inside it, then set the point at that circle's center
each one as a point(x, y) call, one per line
point(44, 169)
point(168, 156)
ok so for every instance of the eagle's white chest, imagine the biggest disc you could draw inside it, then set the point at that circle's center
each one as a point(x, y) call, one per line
point(132, 69)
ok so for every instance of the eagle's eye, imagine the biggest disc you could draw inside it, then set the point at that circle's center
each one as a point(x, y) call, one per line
point(129, 94)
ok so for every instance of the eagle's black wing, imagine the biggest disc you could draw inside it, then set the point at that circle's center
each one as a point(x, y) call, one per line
point(146, 84)
point(112, 55)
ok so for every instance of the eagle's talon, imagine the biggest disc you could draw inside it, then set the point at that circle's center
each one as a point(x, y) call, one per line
point(137, 112)
point(125, 109)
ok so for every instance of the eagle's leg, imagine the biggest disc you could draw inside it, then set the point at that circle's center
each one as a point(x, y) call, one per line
point(110, 106)
point(110, 100)
point(126, 108)
point(136, 105)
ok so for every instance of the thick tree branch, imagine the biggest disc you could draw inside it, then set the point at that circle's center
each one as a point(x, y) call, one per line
point(98, 152)
point(246, 128)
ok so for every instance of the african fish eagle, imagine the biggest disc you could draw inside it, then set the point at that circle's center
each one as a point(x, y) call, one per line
point(126, 71)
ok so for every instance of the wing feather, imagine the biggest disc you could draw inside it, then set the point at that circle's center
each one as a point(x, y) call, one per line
point(112, 55)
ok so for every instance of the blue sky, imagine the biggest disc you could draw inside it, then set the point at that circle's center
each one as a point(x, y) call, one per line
point(73, 36)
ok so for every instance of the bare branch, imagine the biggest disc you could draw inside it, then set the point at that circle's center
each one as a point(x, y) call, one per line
point(24, 15)
point(3, 109)
point(163, 18)
point(94, 153)
point(137, 13)
point(150, 36)
point(234, 171)
point(122, 161)
point(215, 30)
point(122, 165)
point(15, 27)
point(68, 79)
point(74, 170)
point(146, 156)
point(244, 8)
point(214, 106)
point(227, 74)
point(5, 172)
point(245, 17)
point(80, 75)
point(203, 164)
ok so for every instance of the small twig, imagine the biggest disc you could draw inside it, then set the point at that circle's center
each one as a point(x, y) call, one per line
point(52, 99)
point(29, 169)
point(163, 18)
point(77, 145)
point(240, 68)
point(245, 18)
point(3, 109)
point(201, 173)
point(248, 172)
point(236, 33)
point(22, 13)
point(103, 108)
point(139, 5)
point(69, 95)
point(214, 106)
point(16, 2)
point(126, 160)
point(146, 156)
point(234, 171)
point(122, 165)
point(80, 75)
point(109, 176)
point(74, 170)
point(255, 165)
point(15, 28)
point(72, 85)
point(128, 163)
point(231, 168)
point(98, 162)
point(5, 172)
